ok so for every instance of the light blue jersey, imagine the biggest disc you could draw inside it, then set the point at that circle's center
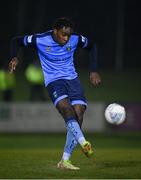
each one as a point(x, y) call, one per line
point(57, 60)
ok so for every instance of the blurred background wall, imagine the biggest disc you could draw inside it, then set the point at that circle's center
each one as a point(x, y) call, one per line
point(113, 24)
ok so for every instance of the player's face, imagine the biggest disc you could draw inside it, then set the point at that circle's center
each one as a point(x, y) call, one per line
point(62, 35)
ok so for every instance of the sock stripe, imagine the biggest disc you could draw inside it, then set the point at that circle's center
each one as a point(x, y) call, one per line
point(69, 120)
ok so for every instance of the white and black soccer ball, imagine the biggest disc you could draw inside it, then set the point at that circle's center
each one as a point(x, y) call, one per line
point(115, 114)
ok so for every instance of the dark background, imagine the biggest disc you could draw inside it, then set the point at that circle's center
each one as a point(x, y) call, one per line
point(96, 19)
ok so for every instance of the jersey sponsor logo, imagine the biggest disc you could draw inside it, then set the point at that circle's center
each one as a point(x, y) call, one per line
point(48, 48)
point(29, 39)
point(58, 59)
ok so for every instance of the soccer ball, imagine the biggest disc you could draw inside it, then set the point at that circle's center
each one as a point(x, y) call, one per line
point(115, 114)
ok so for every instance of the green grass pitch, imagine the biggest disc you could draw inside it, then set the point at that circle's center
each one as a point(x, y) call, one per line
point(34, 156)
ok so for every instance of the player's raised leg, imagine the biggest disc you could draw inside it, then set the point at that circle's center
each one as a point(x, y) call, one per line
point(79, 110)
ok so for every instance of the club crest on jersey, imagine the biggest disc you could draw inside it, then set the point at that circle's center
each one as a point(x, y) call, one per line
point(69, 48)
point(48, 48)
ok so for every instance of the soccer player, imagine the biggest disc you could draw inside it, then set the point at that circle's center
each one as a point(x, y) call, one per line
point(56, 49)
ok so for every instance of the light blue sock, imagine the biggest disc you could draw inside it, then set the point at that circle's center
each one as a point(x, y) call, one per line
point(74, 128)
point(70, 143)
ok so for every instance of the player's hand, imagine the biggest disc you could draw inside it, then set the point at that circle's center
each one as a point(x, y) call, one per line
point(95, 78)
point(12, 64)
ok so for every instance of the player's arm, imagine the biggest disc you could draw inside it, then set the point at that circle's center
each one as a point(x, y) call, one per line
point(92, 48)
point(16, 44)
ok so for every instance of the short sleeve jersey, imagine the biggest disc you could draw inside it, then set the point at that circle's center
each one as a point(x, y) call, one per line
point(57, 61)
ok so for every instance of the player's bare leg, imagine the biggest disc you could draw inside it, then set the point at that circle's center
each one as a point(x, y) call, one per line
point(79, 111)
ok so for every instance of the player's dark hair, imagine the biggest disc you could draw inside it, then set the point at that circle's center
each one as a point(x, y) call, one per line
point(63, 22)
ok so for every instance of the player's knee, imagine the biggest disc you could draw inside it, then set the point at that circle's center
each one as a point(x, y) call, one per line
point(66, 110)
point(79, 111)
